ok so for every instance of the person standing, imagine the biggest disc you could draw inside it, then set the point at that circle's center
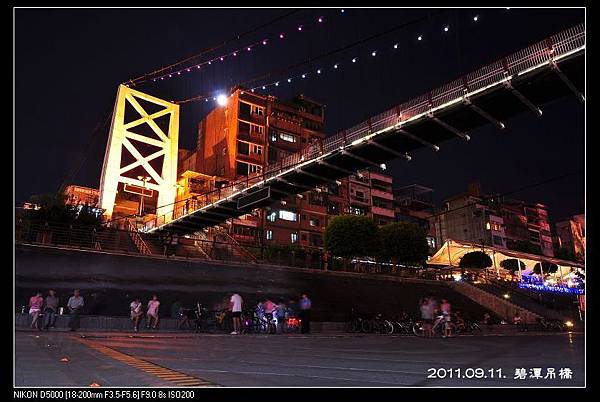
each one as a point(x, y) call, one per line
point(35, 309)
point(136, 313)
point(305, 306)
point(152, 312)
point(427, 317)
point(446, 309)
point(280, 314)
point(50, 309)
point(75, 305)
point(235, 304)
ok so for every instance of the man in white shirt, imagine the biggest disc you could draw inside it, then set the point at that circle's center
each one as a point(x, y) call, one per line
point(235, 304)
point(136, 313)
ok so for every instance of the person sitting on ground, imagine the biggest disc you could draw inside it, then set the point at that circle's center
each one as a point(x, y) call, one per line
point(35, 309)
point(152, 312)
point(518, 321)
point(136, 313)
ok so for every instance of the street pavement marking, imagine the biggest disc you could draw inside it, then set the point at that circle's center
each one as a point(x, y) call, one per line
point(176, 377)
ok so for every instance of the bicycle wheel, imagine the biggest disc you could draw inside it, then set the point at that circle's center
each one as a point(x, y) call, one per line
point(367, 326)
point(356, 326)
point(418, 329)
point(386, 327)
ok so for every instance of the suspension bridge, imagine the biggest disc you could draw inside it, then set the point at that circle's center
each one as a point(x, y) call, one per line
point(519, 83)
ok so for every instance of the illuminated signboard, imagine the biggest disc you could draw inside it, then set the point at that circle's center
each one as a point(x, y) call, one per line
point(146, 192)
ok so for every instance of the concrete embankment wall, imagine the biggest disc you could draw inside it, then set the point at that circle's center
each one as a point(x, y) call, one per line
point(109, 282)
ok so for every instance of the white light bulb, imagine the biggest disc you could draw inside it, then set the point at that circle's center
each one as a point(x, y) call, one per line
point(303, 75)
point(319, 71)
point(475, 18)
point(354, 60)
point(420, 37)
point(289, 80)
point(446, 28)
point(335, 66)
point(373, 53)
point(276, 84)
point(396, 46)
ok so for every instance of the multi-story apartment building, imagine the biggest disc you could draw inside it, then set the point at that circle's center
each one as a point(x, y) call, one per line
point(241, 139)
point(571, 235)
point(494, 221)
point(414, 204)
point(253, 131)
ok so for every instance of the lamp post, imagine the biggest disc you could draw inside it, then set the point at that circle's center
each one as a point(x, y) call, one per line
point(144, 179)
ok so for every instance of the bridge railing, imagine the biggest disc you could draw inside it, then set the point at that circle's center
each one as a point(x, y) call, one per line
point(492, 74)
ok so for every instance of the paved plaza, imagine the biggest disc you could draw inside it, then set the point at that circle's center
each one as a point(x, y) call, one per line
point(344, 360)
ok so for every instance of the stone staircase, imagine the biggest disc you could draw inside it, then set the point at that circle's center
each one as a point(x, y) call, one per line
point(499, 306)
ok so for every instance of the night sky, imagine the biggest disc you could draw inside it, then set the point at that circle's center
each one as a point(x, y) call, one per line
point(69, 62)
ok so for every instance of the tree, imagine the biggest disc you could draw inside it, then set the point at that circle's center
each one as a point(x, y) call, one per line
point(512, 265)
point(403, 242)
point(54, 210)
point(475, 260)
point(349, 236)
point(547, 267)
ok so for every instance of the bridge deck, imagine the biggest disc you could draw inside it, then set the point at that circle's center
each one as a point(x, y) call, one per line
point(520, 83)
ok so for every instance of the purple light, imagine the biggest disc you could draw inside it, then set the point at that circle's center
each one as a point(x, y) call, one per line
point(281, 36)
point(249, 48)
point(188, 70)
point(198, 66)
point(222, 58)
point(178, 72)
point(170, 75)
point(162, 78)
point(320, 19)
point(264, 42)
point(300, 28)
point(209, 63)
point(235, 53)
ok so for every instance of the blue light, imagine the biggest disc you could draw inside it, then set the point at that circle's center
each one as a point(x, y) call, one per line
point(556, 289)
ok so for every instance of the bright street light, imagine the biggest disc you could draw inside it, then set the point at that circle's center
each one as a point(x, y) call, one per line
point(222, 100)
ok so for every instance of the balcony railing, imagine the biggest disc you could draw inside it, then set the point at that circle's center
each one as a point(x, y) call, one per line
point(383, 211)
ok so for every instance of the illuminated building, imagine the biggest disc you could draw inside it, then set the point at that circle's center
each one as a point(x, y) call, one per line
point(79, 195)
point(571, 235)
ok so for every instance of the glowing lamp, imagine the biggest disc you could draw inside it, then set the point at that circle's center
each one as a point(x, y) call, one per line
point(222, 100)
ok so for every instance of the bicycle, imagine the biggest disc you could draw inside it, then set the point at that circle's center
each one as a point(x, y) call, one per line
point(378, 325)
point(439, 324)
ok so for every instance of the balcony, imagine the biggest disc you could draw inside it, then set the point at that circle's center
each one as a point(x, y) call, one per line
point(359, 200)
point(246, 222)
point(382, 194)
point(383, 212)
point(381, 177)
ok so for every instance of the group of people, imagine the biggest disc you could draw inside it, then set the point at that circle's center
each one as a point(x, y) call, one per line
point(137, 312)
point(272, 312)
point(430, 310)
point(48, 309)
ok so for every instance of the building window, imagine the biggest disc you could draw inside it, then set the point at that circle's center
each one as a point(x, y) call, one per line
point(258, 129)
point(272, 154)
point(333, 208)
point(313, 221)
point(288, 215)
point(287, 137)
point(257, 110)
point(272, 216)
point(431, 242)
point(244, 128)
point(243, 148)
point(241, 168)
point(499, 241)
point(244, 109)
point(269, 234)
point(304, 237)
point(294, 237)
point(257, 149)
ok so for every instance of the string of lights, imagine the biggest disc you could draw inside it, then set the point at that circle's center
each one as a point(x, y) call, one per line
point(246, 49)
point(148, 76)
point(319, 71)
